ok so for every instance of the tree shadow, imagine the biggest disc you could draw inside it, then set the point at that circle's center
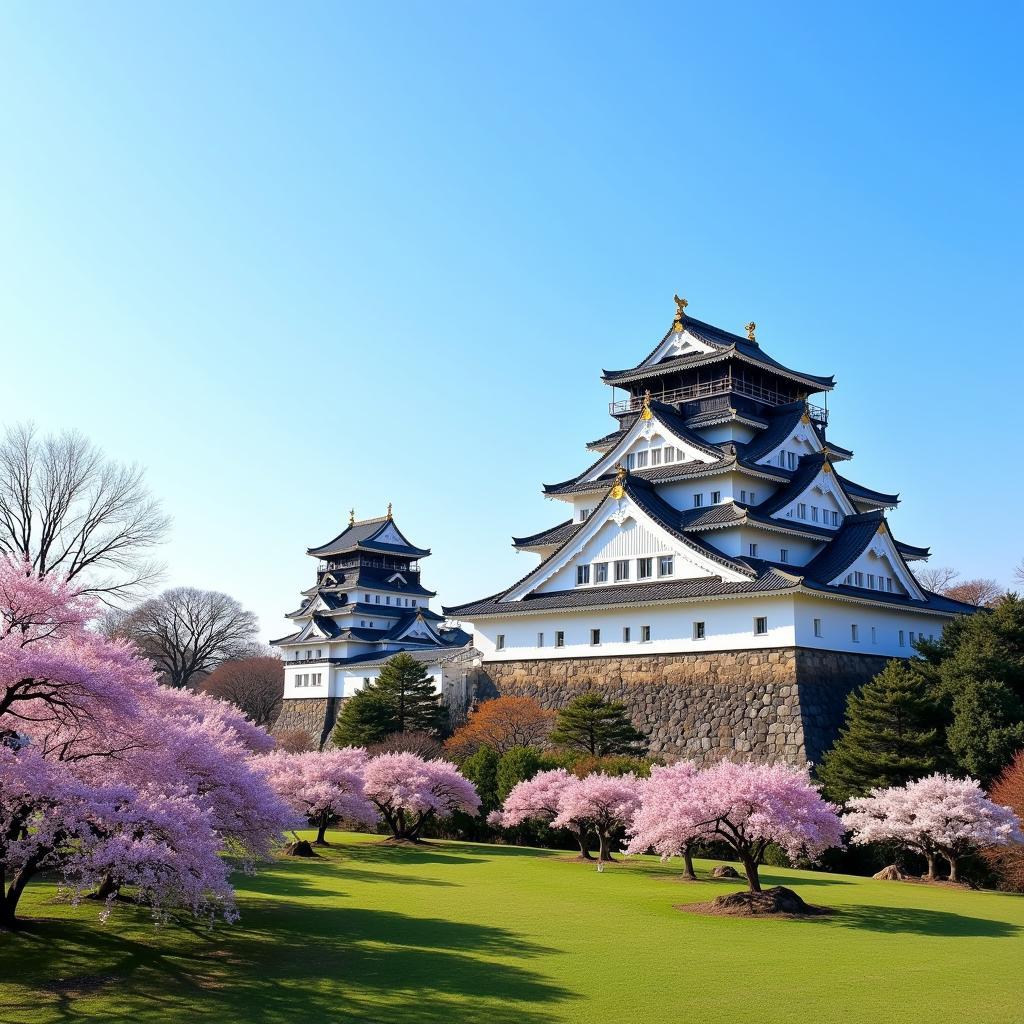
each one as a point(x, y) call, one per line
point(386, 853)
point(917, 921)
point(292, 963)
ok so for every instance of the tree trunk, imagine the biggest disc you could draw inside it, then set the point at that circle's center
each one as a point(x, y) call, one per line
point(688, 873)
point(604, 844)
point(110, 886)
point(581, 838)
point(750, 867)
point(9, 901)
point(954, 866)
point(321, 839)
point(930, 857)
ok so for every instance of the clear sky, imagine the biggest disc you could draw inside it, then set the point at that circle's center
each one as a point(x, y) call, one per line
point(301, 257)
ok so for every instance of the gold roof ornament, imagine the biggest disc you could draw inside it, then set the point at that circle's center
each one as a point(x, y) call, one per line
point(389, 510)
point(750, 329)
point(827, 468)
point(351, 517)
point(618, 487)
point(681, 304)
point(881, 527)
point(647, 414)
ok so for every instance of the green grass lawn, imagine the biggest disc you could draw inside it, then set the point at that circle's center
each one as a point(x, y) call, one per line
point(460, 933)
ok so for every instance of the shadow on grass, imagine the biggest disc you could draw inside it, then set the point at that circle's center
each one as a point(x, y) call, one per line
point(918, 921)
point(287, 963)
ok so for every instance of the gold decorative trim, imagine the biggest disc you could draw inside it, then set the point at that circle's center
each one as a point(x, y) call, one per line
point(351, 517)
point(389, 510)
point(647, 414)
point(750, 329)
point(618, 490)
point(681, 304)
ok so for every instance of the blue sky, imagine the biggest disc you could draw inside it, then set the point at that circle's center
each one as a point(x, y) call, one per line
point(300, 258)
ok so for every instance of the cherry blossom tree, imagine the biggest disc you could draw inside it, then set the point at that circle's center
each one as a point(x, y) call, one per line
point(747, 806)
point(661, 821)
point(537, 799)
point(939, 815)
point(599, 802)
point(410, 791)
point(109, 779)
point(324, 788)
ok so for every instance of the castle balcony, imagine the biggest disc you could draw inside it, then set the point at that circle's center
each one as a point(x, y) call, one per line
point(711, 395)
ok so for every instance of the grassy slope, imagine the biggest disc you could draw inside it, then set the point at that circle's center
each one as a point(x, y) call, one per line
point(496, 935)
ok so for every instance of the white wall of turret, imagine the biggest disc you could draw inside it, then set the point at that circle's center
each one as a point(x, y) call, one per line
point(727, 625)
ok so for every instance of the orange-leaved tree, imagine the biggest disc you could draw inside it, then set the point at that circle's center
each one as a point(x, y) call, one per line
point(501, 724)
point(1008, 861)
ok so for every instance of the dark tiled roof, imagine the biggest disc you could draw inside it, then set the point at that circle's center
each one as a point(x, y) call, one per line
point(456, 641)
point(855, 490)
point(912, 551)
point(848, 544)
point(361, 535)
point(799, 480)
point(713, 416)
point(727, 345)
point(628, 593)
point(555, 535)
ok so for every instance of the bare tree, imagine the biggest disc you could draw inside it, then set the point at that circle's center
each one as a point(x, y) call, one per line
point(936, 578)
point(981, 592)
point(255, 685)
point(1018, 573)
point(295, 741)
point(186, 633)
point(65, 507)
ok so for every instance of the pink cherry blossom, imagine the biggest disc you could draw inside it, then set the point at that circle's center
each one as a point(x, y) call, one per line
point(939, 815)
point(538, 799)
point(322, 788)
point(599, 802)
point(410, 791)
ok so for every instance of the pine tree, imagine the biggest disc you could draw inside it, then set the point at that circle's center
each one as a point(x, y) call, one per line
point(516, 765)
point(481, 769)
point(987, 728)
point(593, 725)
point(401, 699)
point(407, 685)
point(892, 735)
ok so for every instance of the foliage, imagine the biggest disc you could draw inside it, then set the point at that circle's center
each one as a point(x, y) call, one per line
point(981, 592)
point(254, 685)
point(745, 806)
point(611, 764)
point(1008, 860)
point(401, 699)
point(937, 815)
point(501, 724)
point(481, 769)
point(593, 725)
point(186, 633)
point(891, 735)
point(109, 779)
point(602, 803)
point(426, 744)
point(538, 799)
point(987, 728)
point(324, 788)
point(409, 792)
point(67, 509)
point(516, 765)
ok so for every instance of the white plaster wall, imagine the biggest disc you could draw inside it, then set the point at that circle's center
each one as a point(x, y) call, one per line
point(727, 432)
point(837, 618)
point(729, 625)
point(736, 540)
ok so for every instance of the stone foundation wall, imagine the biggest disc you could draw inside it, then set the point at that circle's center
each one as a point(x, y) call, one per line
point(314, 715)
point(778, 704)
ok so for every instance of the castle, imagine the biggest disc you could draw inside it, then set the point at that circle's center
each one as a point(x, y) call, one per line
point(719, 571)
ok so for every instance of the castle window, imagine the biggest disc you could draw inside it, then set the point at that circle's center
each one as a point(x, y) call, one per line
point(621, 570)
point(858, 579)
point(698, 631)
point(655, 456)
point(540, 639)
point(783, 554)
point(645, 634)
point(414, 602)
point(600, 572)
point(499, 642)
point(888, 583)
point(366, 598)
point(582, 574)
point(801, 510)
point(698, 500)
point(641, 460)
point(625, 634)
point(817, 627)
point(902, 639)
point(871, 581)
point(753, 550)
point(318, 652)
point(309, 655)
point(584, 514)
point(366, 680)
point(670, 453)
point(835, 518)
point(362, 622)
point(791, 459)
point(814, 513)
point(630, 460)
point(559, 638)
point(855, 633)
point(753, 498)
point(743, 496)
point(644, 568)
point(666, 565)
point(760, 625)
point(874, 635)
point(911, 638)
point(388, 599)
point(376, 598)
point(595, 637)
point(716, 497)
